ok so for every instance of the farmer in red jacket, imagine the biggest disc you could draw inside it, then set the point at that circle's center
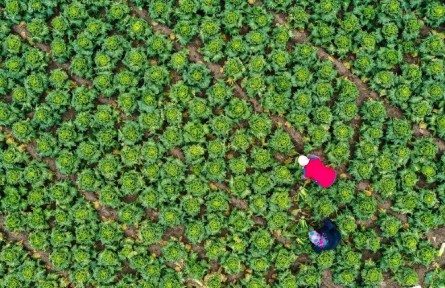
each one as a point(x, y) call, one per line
point(314, 169)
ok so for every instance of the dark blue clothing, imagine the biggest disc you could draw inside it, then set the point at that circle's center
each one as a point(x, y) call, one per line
point(331, 233)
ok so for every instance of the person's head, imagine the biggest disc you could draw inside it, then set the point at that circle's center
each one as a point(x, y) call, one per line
point(318, 239)
point(303, 160)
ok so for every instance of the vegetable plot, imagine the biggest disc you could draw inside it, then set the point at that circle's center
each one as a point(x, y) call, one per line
point(153, 143)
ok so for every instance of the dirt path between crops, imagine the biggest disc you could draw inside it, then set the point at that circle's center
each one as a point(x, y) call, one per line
point(326, 281)
point(217, 72)
point(22, 239)
point(437, 237)
point(365, 93)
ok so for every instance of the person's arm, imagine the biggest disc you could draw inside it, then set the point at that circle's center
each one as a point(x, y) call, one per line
point(304, 174)
point(311, 156)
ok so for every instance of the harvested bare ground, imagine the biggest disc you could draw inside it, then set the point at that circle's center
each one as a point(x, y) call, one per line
point(70, 114)
point(438, 236)
point(238, 203)
point(177, 153)
point(326, 281)
point(22, 239)
point(388, 283)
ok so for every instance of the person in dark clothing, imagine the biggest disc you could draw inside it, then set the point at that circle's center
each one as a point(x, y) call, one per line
point(326, 238)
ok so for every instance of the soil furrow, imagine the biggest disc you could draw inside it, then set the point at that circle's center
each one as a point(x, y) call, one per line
point(105, 213)
point(365, 91)
point(21, 30)
point(365, 94)
point(22, 239)
point(216, 70)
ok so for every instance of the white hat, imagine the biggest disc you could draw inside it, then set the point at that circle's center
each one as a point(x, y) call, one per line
point(303, 160)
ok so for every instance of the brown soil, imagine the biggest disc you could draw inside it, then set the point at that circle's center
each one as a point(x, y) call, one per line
point(388, 283)
point(238, 203)
point(177, 153)
point(22, 239)
point(419, 132)
point(155, 249)
point(130, 198)
point(70, 114)
point(21, 30)
point(411, 59)
point(281, 157)
point(280, 238)
point(217, 70)
point(363, 185)
point(176, 232)
point(437, 237)
point(326, 281)
point(259, 220)
point(425, 31)
point(151, 214)
point(296, 136)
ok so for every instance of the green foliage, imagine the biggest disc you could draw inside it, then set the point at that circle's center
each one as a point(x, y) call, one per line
point(425, 254)
point(260, 126)
point(23, 131)
point(281, 142)
point(308, 276)
point(283, 258)
point(338, 153)
point(198, 76)
point(323, 208)
point(238, 109)
point(361, 170)
point(435, 277)
point(371, 275)
point(389, 225)
point(392, 259)
point(345, 277)
point(348, 258)
point(407, 276)
point(214, 224)
point(214, 249)
point(261, 242)
point(173, 252)
point(195, 232)
point(367, 240)
point(325, 259)
point(364, 206)
point(233, 264)
point(346, 223)
point(185, 157)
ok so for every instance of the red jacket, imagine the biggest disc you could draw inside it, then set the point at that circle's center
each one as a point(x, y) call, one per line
point(320, 173)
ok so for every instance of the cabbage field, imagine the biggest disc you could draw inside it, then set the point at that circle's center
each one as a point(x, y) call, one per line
point(153, 143)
